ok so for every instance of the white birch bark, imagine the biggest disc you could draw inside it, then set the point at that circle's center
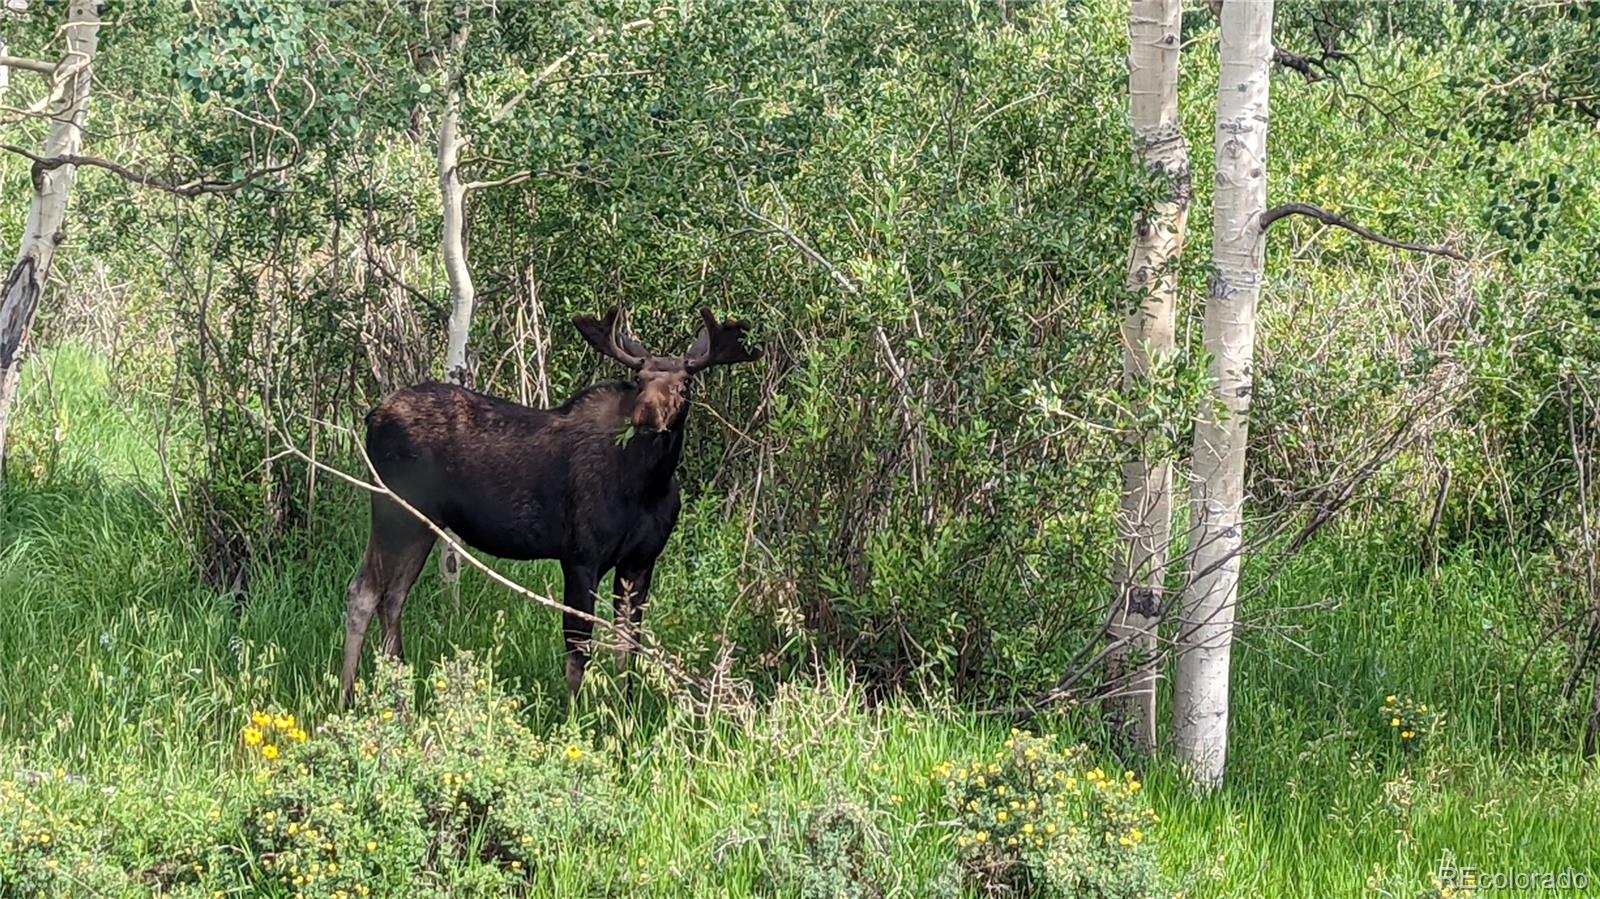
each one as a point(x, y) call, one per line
point(452, 241)
point(52, 186)
point(1238, 249)
point(1145, 518)
point(453, 251)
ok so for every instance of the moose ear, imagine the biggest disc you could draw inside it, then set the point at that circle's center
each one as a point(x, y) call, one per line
point(719, 343)
point(605, 334)
point(701, 347)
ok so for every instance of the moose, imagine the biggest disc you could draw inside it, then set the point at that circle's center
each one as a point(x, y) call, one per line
point(592, 483)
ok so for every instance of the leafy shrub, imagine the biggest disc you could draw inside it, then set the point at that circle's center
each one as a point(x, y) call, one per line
point(1032, 821)
point(464, 793)
point(828, 849)
point(42, 850)
point(62, 834)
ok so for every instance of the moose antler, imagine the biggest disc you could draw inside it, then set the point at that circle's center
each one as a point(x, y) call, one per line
point(719, 343)
point(609, 337)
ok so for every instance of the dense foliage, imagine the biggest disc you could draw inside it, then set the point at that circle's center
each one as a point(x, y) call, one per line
point(925, 209)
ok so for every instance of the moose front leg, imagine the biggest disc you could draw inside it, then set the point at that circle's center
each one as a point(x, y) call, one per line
point(576, 630)
point(630, 587)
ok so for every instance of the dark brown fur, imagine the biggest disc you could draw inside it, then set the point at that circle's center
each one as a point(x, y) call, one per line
point(591, 483)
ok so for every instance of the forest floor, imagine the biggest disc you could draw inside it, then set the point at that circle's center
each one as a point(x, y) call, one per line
point(119, 667)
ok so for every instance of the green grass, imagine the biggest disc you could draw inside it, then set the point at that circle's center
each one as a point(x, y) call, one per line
point(118, 662)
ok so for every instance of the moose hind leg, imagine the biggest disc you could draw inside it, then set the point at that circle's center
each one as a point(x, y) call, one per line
point(577, 629)
point(396, 550)
point(360, 602)
point(407, 564)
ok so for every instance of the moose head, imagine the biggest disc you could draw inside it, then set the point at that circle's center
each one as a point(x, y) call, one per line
point(663, 381)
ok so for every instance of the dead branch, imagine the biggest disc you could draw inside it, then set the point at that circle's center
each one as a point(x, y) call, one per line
point(1329, 218)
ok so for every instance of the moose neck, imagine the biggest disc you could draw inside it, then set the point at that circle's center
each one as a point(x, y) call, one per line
point(653, 456)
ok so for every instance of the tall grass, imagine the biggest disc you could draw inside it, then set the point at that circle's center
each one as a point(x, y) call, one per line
point(116, 661)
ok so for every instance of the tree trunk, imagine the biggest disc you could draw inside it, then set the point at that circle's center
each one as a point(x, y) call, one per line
point(453, 250)
point(44, 230)
point(1145, 520)
point(1238, 250)
point(452, 241)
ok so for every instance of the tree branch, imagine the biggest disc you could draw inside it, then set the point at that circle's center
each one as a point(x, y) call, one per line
point(440, 313)
point(1313, 69)
point(518, 178)
point(31, 65)
point(1328, 218)
point(192, 188)
point(805, 248)
point(511, 104)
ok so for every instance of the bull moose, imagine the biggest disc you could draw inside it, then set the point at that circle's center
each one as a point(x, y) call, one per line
point(592, 483)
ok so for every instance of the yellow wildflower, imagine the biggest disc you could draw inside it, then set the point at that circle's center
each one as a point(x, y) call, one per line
point(269, 752)
point(574, 753)
point(252, 736)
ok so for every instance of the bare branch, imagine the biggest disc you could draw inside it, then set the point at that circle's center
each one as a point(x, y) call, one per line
point(1313, 69)
point(1328, 218)
point(517, 178)
point(440, 313)
point(805, 248)
point(192, 188)
point(30, 65)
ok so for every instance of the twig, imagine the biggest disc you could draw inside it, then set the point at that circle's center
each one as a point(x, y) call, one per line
point(1313, 69)
point(1328, 218)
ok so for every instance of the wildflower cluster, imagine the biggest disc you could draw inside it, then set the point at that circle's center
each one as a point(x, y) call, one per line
point(38, 855)
point(62, 836)
point(1410, 721)
point(386, 795)
point(266, 733)
point(1034, 819)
